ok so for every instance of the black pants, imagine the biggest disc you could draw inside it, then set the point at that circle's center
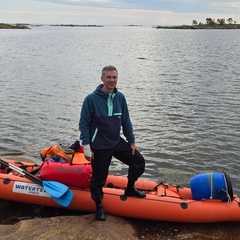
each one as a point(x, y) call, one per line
point(101, 162)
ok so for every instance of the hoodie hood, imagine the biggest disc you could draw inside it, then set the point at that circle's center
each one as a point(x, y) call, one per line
point(99, 91)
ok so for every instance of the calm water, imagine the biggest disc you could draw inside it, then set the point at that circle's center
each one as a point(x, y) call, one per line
point(182, 86)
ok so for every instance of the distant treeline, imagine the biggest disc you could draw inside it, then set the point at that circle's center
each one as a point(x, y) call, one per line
point(26, 26)
point(211, 21)
point(74, 25)
point(210, 24)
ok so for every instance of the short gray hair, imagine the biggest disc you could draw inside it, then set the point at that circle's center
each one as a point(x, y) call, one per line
point(108, 68)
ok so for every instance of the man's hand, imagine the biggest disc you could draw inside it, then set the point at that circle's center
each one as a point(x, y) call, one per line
point(88, 153)
point(134, 148)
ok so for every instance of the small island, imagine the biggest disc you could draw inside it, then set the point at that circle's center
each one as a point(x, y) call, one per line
point(210, 24)
point(14, 26)
point(26, 26)
point(74, 25)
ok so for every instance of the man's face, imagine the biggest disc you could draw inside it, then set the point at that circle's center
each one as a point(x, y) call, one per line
point(109, 80)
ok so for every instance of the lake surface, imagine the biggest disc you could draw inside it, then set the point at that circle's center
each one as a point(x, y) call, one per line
point(182, 87)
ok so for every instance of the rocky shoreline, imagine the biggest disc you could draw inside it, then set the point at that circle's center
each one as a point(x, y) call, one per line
point(23, 221)
point(14, 26)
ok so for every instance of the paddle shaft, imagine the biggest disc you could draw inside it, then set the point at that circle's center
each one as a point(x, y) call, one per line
point(21, 171)
point(59, 192)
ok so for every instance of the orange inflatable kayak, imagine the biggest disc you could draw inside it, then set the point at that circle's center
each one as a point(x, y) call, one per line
point(163, 202)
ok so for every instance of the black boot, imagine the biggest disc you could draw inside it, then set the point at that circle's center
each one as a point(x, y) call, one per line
point(131, 191)
point(134, 192)
point(100, 215)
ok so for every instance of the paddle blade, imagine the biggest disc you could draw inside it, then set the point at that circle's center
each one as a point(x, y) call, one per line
point(54, 189)
point(65, 199)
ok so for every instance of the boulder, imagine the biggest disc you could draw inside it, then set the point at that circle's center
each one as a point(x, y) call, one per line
point(70, 227)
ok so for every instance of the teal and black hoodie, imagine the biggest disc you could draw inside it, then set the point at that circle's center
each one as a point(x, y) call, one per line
point(102, 116)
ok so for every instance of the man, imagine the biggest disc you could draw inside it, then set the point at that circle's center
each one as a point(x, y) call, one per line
point(104, 113)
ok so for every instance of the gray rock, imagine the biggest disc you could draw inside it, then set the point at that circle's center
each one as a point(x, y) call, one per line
point(70, 228)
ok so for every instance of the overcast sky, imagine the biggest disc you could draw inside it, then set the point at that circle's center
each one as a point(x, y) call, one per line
point(117, 12)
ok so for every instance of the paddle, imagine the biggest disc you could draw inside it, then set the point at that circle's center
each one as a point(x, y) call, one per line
point(65, 199)
point(58, 191)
